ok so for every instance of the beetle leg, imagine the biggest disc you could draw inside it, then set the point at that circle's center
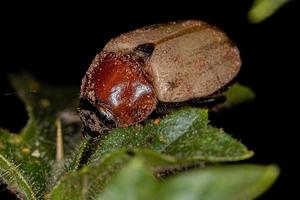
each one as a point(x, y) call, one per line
point(208, 102)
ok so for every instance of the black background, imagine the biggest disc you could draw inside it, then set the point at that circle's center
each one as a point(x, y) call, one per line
point(56, 43)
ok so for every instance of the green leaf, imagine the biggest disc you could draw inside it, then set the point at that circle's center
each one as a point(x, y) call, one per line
point(208, 144)
point(33, 150)
point(236, 182)
point(14, 179)
point(188, 126)
point(235, 95)
point(262, 9)
point(182, 140)
point(90, 180)
point(74, 162)
point(141, 184)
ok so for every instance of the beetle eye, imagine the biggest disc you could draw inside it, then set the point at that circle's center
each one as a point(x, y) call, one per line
point(95, 120)
point(145, 49)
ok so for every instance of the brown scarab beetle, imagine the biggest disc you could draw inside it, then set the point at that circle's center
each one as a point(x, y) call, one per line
point(160, 64)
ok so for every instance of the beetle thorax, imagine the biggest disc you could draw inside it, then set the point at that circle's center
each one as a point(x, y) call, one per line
point(116, 83)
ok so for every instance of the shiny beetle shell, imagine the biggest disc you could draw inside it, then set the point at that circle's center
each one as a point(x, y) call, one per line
point(171, 62)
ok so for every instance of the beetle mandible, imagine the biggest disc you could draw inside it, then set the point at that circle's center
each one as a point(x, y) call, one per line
point(163, 63)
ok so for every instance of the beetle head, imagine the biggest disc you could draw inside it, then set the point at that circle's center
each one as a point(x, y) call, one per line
point(95, 119)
